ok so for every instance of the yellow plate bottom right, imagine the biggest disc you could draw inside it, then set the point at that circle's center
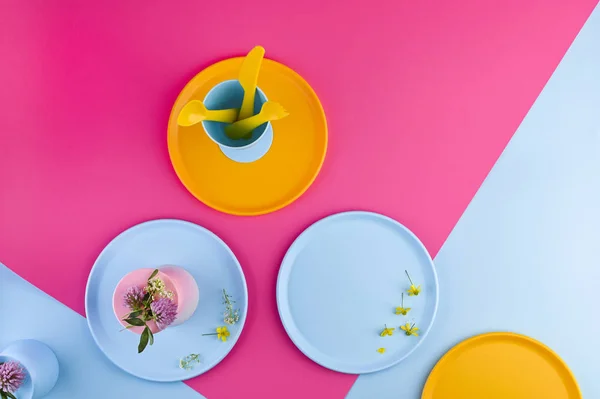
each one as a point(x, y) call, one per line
point(501, 366)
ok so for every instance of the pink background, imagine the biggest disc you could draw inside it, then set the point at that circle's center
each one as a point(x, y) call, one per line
point(421, 98)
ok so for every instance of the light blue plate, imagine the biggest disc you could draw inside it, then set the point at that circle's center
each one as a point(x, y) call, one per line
point(341, 281)
point(153, 244)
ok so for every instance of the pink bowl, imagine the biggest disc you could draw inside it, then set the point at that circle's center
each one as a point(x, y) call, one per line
point(176, 279)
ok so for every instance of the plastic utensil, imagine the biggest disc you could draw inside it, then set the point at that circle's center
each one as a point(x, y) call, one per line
point(248, 78)
point(270, 111)
point(229, 94)
point(195, 112)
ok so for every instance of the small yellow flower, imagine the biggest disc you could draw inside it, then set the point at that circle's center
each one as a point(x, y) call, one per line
point(387, 331)
point(381, 350)
point(410, 329)
point(402, 310)
point(222, 333)
point(413, 290)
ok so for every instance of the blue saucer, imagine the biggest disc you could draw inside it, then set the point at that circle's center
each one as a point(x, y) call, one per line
point(252, 153)
point(154, 244)
point(340, 283)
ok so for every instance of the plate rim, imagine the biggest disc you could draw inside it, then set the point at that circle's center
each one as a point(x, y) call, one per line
point(492, 335)
point(133, 229)
point(340, 215)
point(176, 159)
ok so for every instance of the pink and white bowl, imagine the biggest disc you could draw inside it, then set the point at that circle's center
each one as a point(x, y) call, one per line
point(177, 280)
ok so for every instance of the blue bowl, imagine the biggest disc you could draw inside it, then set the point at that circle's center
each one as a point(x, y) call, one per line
point(229, 94)
point(40, 363)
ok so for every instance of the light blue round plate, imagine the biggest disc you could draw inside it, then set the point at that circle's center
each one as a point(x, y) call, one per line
point(340, 283)
point(154, 244)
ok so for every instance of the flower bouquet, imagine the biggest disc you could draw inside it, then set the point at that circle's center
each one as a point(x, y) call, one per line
point(147, 301)
point(28, 369)
point(12, 376)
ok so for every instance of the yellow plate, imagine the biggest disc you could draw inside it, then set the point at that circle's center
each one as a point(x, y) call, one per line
point(275, 180)
point(501, 366)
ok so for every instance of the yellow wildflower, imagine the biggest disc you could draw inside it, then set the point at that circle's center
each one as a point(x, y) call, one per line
point(222, 333)
point(402, 310)
point(387, 331)
point(413, 290)
point(381, 350)
point(410, 329)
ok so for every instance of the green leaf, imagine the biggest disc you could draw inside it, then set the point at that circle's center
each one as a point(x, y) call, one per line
point(151, 336)
point(135, 314)
point(3, 395)
point(135, 322)
point(144, 340)
point(154, 273)
point(10, 395)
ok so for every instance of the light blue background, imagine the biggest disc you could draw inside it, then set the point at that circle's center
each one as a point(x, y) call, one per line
point(524, 256)
point(84, 371)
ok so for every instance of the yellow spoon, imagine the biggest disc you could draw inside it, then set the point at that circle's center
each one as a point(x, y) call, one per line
point(270, 111)
point(195, 112)
point(248, 78)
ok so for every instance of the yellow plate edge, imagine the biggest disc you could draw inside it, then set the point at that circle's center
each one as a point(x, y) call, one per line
point(469, 341)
